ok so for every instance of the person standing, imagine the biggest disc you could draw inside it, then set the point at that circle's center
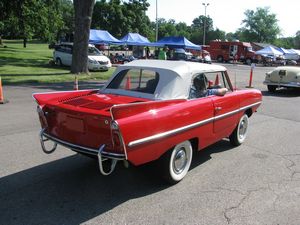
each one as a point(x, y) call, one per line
point(162, 55)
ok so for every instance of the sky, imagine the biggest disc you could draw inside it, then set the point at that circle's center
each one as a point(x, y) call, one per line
point(227, 15)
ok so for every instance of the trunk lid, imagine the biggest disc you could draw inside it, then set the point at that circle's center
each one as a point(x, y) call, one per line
point(82, 119)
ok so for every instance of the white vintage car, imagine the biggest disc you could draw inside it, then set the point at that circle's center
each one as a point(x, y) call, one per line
point(283, 76)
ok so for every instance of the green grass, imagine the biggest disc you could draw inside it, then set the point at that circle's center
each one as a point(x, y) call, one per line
point(31, 65)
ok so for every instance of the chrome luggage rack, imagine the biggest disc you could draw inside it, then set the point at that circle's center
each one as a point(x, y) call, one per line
point(100, 153)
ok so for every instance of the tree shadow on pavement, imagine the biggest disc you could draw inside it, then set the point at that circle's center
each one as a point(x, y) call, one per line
point(69, 191)
point(72, 191)
point(66, 86)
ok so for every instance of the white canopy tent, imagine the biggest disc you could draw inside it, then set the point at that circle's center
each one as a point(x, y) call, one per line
point(289, 54)
point(269, 51)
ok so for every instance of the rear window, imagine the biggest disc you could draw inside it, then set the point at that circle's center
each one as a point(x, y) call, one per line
point(64, 48)
point(137, 80)
point(93, 51)
point(282, 72)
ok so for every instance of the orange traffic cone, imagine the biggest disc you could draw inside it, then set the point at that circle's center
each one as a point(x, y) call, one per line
point(217, 81)
point(76, 84)
point(128, 83)
point(210, 84)
point(2, 101)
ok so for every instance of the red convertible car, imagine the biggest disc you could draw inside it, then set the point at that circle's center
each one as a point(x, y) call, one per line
point(146, 112)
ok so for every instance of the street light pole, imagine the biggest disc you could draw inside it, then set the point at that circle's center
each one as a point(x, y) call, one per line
point(204, 27)
point(156, 30)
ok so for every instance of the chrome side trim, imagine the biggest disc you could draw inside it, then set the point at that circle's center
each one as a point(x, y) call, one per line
point(197, 124)
point(250, 106)
point(171, 132)
point(226, 114)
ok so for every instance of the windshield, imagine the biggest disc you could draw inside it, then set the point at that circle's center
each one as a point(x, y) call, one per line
point(93, 51)
point(249, 49)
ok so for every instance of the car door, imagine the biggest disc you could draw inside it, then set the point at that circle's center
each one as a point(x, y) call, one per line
point(64, 53)
point(225, 113)
point(68, 55)
point(225, 107)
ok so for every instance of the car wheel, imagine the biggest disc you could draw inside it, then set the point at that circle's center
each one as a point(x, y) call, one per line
point(220, 59)
point(176, 162)
point(248, 61)
point(271, 88)
point(239, 134)
point(58, 62)
point(125, 62)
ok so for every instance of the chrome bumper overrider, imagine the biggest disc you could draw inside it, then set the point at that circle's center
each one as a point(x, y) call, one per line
point(100, 153)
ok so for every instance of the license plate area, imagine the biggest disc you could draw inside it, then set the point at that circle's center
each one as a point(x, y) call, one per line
point(75, 124)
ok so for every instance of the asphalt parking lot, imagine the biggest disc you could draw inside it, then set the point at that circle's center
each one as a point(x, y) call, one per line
point(255, 183)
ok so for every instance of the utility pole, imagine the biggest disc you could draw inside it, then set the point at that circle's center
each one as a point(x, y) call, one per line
point(156, 30)
point(204, 27)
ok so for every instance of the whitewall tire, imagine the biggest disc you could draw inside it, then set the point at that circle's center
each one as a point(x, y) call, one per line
point(177, 162)
point(239, 134)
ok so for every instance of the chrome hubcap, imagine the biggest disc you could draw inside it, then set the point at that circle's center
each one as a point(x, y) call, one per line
point(180, 161)
point(243, 128)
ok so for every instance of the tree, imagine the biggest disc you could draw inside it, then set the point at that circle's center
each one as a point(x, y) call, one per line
point(297, 40)
point(120, 18)
point(197, 29)
point(198, 23)
point(260, 26)
point(183, 30)
point(166, 28)
point(41, 19)
point(231, 36)
point(285, 42)
point(215, 34)
point(135, 15)
point(83, 17)
point(66, 30)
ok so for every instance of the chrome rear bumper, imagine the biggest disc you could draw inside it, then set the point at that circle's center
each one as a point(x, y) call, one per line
point(100, 153)
point(289, 84)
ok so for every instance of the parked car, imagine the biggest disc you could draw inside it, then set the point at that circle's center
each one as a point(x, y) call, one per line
point(144, 113)
point(283, 76)
point(122, 59)
point(181, 54)
point(62, 56)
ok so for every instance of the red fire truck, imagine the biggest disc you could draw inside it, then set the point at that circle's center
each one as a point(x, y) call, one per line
point(231, 50)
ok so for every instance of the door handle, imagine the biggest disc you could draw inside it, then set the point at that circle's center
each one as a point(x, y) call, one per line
point(217, 109)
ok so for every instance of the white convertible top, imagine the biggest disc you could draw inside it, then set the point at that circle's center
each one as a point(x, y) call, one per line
point(175, 77)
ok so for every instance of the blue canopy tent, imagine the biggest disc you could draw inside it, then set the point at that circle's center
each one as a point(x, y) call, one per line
point(135, 39)
point(176, 42)
point(102, 37)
